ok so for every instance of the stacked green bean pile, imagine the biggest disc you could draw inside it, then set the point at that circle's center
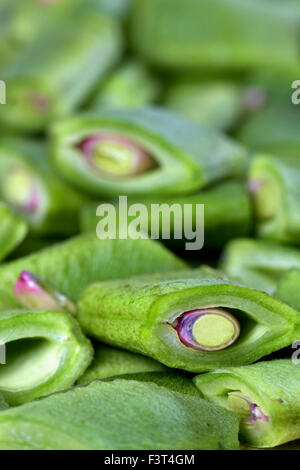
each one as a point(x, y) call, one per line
point(138, 343)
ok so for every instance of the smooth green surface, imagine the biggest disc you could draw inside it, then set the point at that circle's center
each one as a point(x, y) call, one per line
point(224, 34)
point(12, 231)
point(188, 156)
point(8, 300)
point(130, 85)
point(177, 381)
point(109, 362)
point(258, 264)
point(215, 104)
point(274, 128)
point(137, 314)
point(272, 385)
point(45, 352)
point(121, 414)
point(288, 289)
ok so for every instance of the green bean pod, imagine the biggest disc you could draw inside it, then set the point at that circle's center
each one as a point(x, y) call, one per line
point(274, 183)
point(229, 34)
point(29, 185)
point(88, 417)
point(141, 151)
point(288, 289)
point(217, 104)
point(45, 351)
point(258, 264)
point(265, 394)
point(110, 362)
point(55, 73)
point(12, 231)
point(178, 381)
point(72, 265)
point(130, 85)
point(25, 19)
point(273, 129)
point(192, 321)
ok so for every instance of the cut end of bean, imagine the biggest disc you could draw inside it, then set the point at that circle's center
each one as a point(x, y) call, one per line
point(34, 293)
point(21, 190)
point(208, 329)
point(251, 412)
point(239, 403)
point(116, 156)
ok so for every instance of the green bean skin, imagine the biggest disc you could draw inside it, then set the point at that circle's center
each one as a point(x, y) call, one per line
point(138, 314)
point(273, 385)
point(257, 263)
point(110, 362)
point(12, 231)
point(152, 416)
point(222, 34)
point(72, 265)
point(187, 156)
